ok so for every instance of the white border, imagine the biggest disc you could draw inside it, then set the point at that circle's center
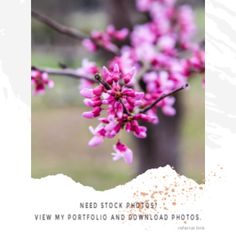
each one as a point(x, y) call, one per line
point(21, 196)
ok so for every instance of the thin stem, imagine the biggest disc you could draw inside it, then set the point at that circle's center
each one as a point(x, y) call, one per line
point(57, 26)
point(65, 72)
point(162, 97)
point(98, 78)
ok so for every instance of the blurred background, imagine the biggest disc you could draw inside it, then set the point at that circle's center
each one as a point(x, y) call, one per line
point(59, 133)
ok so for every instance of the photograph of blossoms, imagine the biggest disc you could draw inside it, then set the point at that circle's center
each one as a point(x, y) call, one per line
point(117, 89)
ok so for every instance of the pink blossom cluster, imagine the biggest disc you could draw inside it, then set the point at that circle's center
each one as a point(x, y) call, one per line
point(40, 81)
point(105, 39)
point(164, 55)
point(88, 69)
point(163, 51)
point(120, 106)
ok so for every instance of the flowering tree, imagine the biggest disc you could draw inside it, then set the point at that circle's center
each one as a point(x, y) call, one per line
point(150, 63)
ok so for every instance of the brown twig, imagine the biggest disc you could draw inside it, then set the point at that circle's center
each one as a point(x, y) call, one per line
point(57, 26)
point(68, 30)
point(65, 72)
point(162, 97)
point(99, 79)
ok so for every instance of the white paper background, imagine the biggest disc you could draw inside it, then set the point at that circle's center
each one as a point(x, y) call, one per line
point(21, 197)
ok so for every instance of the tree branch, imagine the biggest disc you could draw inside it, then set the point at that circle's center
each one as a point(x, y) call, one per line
point(58, 27)
point(65, 72)
point(162, 97)
point(76, 34)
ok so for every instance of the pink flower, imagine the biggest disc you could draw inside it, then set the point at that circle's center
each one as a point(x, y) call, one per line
point(89, 45)
point(167, 43)
point(127, 60)
point(40, 81)
point(122, 151)
point(87, 93)
point(167, 106)
point(88, 69)
point(117, 34)
point(185, 21)
point(149, 117)
point(145, 52)
point(92, 93)
point(143, 5)
point(105, 39)
point(142, 34)
point(92, 114)
point(197, 61)
point(97, 138)
point(138, 131)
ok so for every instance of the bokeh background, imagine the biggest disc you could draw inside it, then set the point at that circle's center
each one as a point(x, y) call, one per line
point(59, 133)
